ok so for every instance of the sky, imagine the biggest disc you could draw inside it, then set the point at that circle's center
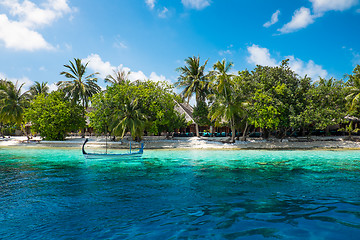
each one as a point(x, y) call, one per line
point(151, 38)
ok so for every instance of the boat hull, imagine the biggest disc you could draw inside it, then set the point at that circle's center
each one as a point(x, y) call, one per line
point(112, 156)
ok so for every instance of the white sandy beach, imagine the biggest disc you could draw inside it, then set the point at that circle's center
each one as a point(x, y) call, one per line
point(192, 143)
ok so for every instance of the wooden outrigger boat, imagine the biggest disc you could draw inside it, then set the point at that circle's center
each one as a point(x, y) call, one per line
point(114, 156)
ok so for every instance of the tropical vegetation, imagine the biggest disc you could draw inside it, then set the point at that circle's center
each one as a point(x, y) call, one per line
point(274, 100)
point(136, 107)
point(52, 116)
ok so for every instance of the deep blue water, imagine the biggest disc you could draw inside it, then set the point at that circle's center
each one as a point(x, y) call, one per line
point(193, 194)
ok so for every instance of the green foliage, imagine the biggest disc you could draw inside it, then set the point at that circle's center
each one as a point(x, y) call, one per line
point(193, 79)
point(325, 104)
point(200, 114)
point(39, 88)
point(53, 116)
point(12, 102)
point(265, 111)
point(119, 77)
point(353, 89)
point(149, 104)
point(227, 102)
point(79, 87)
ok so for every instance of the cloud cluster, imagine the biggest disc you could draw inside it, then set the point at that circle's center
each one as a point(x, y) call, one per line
point(261, 56)
point(321, 6)
point(301, 19)
point(274, 19)
point(150, 3)
point(96, 64)
point(196, 4)
point(303, 16)
point(193, 4)
point(18, 27)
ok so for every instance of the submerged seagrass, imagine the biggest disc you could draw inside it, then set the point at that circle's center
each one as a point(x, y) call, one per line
point(56, 194)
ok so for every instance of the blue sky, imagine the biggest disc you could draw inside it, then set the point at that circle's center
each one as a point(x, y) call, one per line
point(151, 38)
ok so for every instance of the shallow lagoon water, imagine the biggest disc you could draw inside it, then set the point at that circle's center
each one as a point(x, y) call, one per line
point(180, 194)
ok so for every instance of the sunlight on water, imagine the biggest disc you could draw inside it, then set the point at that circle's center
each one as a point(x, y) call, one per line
point(178, 194)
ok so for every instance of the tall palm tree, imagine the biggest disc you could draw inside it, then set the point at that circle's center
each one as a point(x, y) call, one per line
point(222, 80)
point(12, 102)
point(129, 117)
point(119, 77)
point(39, 88)
point(226, 104)
point(80, 87)
point(193, 79)
point(353, 97)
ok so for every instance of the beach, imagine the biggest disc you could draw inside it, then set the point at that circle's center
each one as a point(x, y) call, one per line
point(160, 142)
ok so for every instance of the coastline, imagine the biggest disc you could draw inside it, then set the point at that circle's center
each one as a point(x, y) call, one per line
point(313, 143)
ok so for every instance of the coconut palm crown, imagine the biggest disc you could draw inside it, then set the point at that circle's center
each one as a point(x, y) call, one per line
point(12, 102)
point(193, 79)
point(119, 77)
point(39, 88)
point(79, 87)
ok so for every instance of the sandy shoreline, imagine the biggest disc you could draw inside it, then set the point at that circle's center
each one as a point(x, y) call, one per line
point(330, 143)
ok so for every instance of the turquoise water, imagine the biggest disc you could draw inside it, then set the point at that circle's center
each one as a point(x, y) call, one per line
point(192, 194)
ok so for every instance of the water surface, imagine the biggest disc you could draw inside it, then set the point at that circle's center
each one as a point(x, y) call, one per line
point(192, 194)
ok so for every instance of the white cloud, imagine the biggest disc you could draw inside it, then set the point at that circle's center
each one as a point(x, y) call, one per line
point(157, 78)
point(274, 19)
point(301, 19)
point(225, 52)
point(150, 3)
point(14, 33)
point(27, 18)
point(320, 6)
point(260, 56)
point(53, 87)
point(310, 68)
point(134, 76)
point(96, 64)
point(163, 13)
point(32, 16)
point(196, 4)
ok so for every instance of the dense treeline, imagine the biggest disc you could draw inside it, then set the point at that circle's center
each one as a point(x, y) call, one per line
point(274, 99)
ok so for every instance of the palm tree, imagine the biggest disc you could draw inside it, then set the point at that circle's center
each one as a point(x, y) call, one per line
point(12, 102)
point(129, 117)
point(80, 87)
point(354, 90)
point(119, 77)
point(193, 79)
point(222, 80)
point(226, 104)
point(39, 88)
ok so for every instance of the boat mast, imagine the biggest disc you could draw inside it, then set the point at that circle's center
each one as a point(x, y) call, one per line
point(106, 133)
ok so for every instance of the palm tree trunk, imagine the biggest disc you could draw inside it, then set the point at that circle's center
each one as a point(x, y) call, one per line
point(197, 129)
point(245, 132)
point(232, 130)
point(83, 131)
